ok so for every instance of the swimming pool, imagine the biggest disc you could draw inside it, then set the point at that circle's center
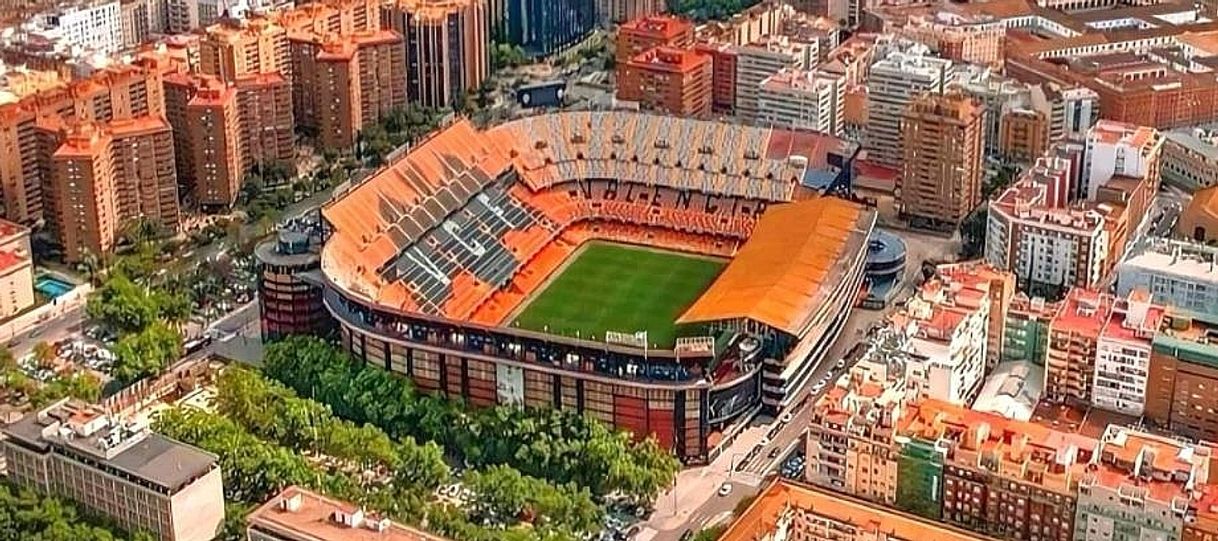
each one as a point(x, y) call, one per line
point(52, 287)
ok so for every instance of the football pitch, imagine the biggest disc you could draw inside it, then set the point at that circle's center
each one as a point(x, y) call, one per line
point(615, 287)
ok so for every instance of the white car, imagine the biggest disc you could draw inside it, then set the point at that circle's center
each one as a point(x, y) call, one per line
point(725, 489)
point(786, 418)
point(840, 364)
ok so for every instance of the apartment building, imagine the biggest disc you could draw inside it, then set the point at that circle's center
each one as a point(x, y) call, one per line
point(849, 441)
point(29, 129)
point(942, 147)
point(264, 104)
point(1190, 158)
point(1052, 243)
point(668, 80)
point(962, 37)
point(95, 26)
point(1023, 133)
point(357, 80)
point(723, 75)
point(1122, 360)
point(117, 469)
point(803, 99)
point(106, 176)
point(637, 36)
point(1182, 274)
point(623, 11)
point(1122, 166)
point(788, 510)
point(1183, 375)
point(447, 48)
point(1025, 335)
point(214, 141)
point(298, 514)
point(996, 283)
point(1074, 336)
point(16, 269)
point(762, 59)
point(1000, 477)
point(135, 19)
point(1139, 486)
point(183, 16)
point(947, 322)
point(901, 72)
point(1075, 111)
point(236, 48)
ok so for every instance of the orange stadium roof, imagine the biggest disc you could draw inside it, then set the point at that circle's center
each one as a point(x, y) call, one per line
point(776, 277)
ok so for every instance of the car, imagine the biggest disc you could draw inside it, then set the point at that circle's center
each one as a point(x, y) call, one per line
point(725, 489)
point(840, 364)
point(786, 418)
point(687, 535)
point(763, 442)
point(818, 387)
point(774, 452)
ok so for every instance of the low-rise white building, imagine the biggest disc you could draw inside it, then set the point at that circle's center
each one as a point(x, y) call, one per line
point(1178, 273)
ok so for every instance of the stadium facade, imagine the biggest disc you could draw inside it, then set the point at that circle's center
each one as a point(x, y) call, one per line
point(428, 262)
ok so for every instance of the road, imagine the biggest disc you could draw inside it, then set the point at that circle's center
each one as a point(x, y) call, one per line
point(52, 330)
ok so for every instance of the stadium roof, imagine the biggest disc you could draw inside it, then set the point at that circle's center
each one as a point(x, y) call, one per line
point(776, 277)
point(380, 218)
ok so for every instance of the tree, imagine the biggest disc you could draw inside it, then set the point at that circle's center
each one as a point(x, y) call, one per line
point(44, 355)
point(710, 534)
point(972, 233)
point(80, 385)
point(146, 352)
point(559, 446)
point(703, 10)
point(27, 515)
point(122, 305)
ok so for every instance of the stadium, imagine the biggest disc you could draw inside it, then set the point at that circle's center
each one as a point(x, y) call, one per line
point(665, 275)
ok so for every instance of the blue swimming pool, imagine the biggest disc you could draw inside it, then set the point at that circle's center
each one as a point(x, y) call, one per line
point(52, 287)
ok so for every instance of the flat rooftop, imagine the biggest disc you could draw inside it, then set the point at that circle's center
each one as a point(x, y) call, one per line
point(782, 497)
point(297, 513)
point(140, 452)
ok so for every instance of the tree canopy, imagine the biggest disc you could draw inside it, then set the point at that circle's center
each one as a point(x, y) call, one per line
point(146, 352)
point(703, 10)
point(560, 446)
point(26, 515)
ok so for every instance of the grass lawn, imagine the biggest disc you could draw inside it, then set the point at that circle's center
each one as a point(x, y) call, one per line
point(614, 287)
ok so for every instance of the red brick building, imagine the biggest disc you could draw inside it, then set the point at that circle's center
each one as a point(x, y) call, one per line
point(670, 80)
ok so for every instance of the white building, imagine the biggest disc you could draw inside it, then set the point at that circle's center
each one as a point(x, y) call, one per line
point(946, 323)
point(902, 71)
point(805, 99)
point(96, 26)
point(1075, 112)
point(758, 61)
point(1116, 149)
point(1179, 273)
point(1122, 362)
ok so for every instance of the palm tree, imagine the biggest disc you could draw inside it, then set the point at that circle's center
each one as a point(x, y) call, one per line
point(44, 355)
point(91, 266)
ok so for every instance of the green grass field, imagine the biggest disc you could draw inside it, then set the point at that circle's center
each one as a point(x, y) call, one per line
point(614, 287)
